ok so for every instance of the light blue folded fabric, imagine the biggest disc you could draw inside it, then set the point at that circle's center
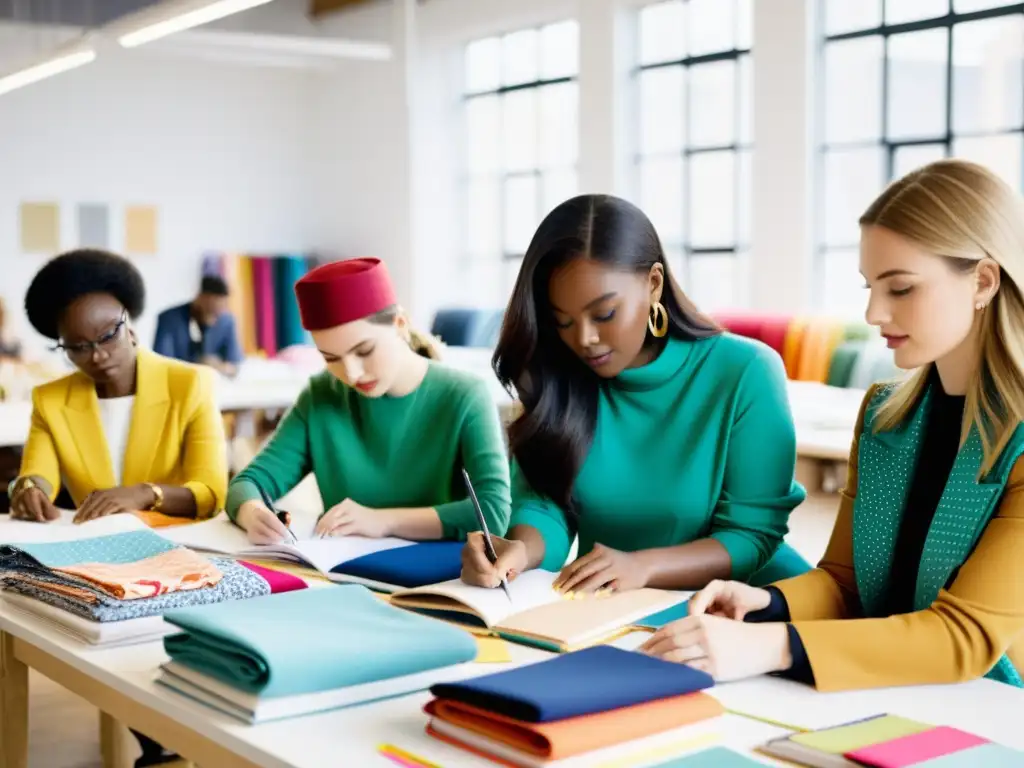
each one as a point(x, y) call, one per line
point(116, 548)
point(312, 640)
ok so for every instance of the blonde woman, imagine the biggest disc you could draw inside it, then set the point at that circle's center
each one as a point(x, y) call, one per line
point(923, 580)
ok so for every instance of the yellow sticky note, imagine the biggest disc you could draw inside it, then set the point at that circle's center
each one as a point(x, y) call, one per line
point(863, 733)
point(140, 229)
point(40, 228)
point(491, 650)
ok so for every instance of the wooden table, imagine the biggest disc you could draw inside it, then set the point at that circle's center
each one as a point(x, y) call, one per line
point(120, 683)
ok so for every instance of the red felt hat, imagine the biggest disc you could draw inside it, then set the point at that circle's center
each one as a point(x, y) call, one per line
point(343, 291)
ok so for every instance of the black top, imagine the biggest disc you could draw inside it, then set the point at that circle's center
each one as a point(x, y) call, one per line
point(939, 446)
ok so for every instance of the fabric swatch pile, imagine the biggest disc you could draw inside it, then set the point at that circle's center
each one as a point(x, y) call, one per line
point(131, 577)
point(599, 704)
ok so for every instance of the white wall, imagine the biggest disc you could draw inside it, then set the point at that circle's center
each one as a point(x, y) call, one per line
point(220, 149)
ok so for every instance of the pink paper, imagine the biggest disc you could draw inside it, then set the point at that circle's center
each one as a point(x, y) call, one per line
point(916, 748)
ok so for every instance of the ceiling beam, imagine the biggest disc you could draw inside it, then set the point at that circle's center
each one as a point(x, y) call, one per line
point(319, 8)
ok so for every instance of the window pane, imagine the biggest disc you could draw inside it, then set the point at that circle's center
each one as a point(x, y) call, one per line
point(745, 192)
point(560, 50)
point(521, 220)
point(899, 11)
point(846, 16)
point(661, 110)
point(712, 217)
point(853, 178)
point(711, 26)
point(662, 32)
point(483, 134)
point(510, 269)
point(745, 24)
point(482, 282)
point(483, 218)
point(519, 130)
point(853, 89)
point(713, 104)
point(661, 196)
point(483, 65)
point(746, 99)
point(907, 159)
point(676, 264)
point(966, 6)
point(559, 186)
point(917, 84)
point(987, 83)
point(520, 57)
point(559, 127)
point(1001, 154)
point(713, 281)
point(842, 290)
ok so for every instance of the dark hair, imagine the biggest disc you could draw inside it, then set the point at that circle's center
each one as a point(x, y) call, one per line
point(66, 278)
point(422, 344)
point(558, 392)
point(213, 285)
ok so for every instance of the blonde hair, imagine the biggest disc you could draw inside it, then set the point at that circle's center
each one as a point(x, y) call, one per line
point(423, 344)
point(964, 213)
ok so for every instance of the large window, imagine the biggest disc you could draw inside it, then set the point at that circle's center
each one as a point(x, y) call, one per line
point(906, 82)
point(694, 141)
point(521, 142)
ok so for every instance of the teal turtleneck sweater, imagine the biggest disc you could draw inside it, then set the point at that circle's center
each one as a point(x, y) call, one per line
point(698, 443)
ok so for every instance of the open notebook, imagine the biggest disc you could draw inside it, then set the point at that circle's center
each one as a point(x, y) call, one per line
point(386, 564)
point(537, 615)
point(64, 529)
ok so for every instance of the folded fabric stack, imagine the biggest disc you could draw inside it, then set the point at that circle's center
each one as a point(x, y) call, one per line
point(601, 703)
point(115, 588)
point(293, 654)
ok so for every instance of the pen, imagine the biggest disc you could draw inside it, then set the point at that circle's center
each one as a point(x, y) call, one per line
point(284, 517)
point(488, 546)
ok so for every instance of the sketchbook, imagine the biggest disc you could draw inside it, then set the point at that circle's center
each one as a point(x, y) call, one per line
point(385, 565)
point(537, 614)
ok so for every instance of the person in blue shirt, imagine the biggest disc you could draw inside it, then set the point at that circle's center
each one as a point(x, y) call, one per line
point(201, 331)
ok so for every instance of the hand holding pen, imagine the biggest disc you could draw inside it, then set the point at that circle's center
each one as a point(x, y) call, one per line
point(492, 555)
point(283, 517)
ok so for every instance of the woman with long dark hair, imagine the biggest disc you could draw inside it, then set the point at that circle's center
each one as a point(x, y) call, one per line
point(665, 444)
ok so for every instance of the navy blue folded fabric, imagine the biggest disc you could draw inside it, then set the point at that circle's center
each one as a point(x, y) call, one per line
point(418, 565)
point(595, 679)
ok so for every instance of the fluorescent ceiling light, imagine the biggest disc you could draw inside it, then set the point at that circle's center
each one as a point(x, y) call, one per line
point(168, 18)
point(66, 57)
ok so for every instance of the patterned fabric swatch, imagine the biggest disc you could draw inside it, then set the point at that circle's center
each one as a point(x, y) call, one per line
point(116, 548)
point(174, 571)
point(238, 583)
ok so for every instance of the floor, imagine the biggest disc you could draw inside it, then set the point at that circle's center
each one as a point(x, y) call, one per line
point(53, 710)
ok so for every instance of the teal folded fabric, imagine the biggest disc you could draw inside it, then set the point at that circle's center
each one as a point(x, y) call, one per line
point(312, 640)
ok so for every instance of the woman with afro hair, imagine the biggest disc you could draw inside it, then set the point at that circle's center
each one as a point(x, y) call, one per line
point(129, 430)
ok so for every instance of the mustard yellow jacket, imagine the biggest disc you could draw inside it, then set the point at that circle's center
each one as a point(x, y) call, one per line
point(176, 435)
point(959, 637)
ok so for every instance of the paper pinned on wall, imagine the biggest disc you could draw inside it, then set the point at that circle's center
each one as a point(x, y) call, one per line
point(93, 225)
point(40, 227)
point(140, 235)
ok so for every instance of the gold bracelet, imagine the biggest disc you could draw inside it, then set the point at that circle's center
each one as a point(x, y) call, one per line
point(158, 492)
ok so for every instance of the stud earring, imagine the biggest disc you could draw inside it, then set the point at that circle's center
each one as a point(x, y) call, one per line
point(979, 306)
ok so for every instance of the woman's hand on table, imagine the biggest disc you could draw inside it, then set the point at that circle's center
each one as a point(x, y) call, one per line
point(350, 518)
point(724, 648)
point(731, 599)
point(260, 524)
point(115, 501)
point(34, 505)
point(603, 568)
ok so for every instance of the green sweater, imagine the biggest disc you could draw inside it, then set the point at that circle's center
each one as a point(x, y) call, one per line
point(390, 452)
point(698, 443)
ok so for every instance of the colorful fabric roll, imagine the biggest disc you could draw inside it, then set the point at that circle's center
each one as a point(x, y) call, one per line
point(266, 314)
point(288, 270)
point(246, 317)
point(843, 360)
point(792, 344)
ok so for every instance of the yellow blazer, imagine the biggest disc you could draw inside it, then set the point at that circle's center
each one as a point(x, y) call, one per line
point(176, 436)
point(959, 637)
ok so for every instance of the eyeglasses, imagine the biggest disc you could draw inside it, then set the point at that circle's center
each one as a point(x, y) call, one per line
point(86, 349)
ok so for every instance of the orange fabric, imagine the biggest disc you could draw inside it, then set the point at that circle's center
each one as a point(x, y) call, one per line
point(819, 344)
point(792, 344)
point(176, 570)
point(247, 307)
point(160, 520)
point(576, 735)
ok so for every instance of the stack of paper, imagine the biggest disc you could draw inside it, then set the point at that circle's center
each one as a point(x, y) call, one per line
point(386, 565)
point(888, 741)
point(301, 652)
point(588, 704)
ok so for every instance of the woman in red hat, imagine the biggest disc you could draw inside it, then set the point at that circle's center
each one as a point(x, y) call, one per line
point(385, 431)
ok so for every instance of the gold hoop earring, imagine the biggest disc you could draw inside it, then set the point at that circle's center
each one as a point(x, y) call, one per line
point(658, 321)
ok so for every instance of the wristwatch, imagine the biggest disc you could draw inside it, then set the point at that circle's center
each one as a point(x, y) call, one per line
point(158, 493)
